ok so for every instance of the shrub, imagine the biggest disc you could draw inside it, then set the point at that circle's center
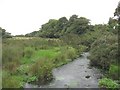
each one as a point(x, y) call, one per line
point(108, 83)
point(81, 49)
point(100, 59)
point(42, 69)
point(71, 53)
point(104, 52)
point(59, 60)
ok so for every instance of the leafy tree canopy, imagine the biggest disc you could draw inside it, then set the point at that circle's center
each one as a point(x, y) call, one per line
point(57, 28)
point(4, 34)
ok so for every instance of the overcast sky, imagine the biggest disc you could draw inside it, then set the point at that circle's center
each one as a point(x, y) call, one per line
point(24, 16)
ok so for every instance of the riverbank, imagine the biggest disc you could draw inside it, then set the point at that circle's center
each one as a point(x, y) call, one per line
point(76, 74)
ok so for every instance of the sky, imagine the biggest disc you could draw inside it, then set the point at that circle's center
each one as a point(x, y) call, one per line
point(24, 16)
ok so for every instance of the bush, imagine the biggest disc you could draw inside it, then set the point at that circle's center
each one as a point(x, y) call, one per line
point(108, 83)
point(71, 53)
point(42, 69)
point(81, 49)
point(59, 60)
point(104, 52)
point(100, 57)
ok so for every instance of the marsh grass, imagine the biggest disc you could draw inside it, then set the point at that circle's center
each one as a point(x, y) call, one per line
point(33, 60)
point(42, 69)
point(29, 51)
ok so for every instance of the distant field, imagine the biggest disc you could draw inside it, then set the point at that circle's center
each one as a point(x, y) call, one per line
point(27, 38)
point(23, 37)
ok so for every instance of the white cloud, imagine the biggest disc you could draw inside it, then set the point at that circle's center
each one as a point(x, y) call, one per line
point(24, 16)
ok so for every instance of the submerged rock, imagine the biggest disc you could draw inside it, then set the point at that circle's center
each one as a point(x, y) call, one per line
point(88, 76)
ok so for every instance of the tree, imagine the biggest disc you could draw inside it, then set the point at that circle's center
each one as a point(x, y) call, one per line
point(78, 25)
point(117, 11)
point(32, 34)
point(73, 17)
point(48, 29)
point(4, 34)
point(113, 25)
point(112, 22)
point(61, 26)
point(57, 28)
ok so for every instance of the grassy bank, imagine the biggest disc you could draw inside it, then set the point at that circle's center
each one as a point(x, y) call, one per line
point(32, 60)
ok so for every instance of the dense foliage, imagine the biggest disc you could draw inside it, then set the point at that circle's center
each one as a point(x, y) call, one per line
point(105, 53)
point(57, 28)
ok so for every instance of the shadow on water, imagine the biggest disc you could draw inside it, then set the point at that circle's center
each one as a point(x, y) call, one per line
point(76, 74)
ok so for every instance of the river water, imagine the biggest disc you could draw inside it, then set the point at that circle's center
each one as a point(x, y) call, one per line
point(76, 74)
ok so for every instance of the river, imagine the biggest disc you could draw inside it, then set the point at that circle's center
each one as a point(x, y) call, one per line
point(76, 74)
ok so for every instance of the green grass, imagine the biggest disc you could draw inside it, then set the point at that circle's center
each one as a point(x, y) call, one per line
point(50, 53)
point(47, 53)
point(113, 71)
point(108, 83)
